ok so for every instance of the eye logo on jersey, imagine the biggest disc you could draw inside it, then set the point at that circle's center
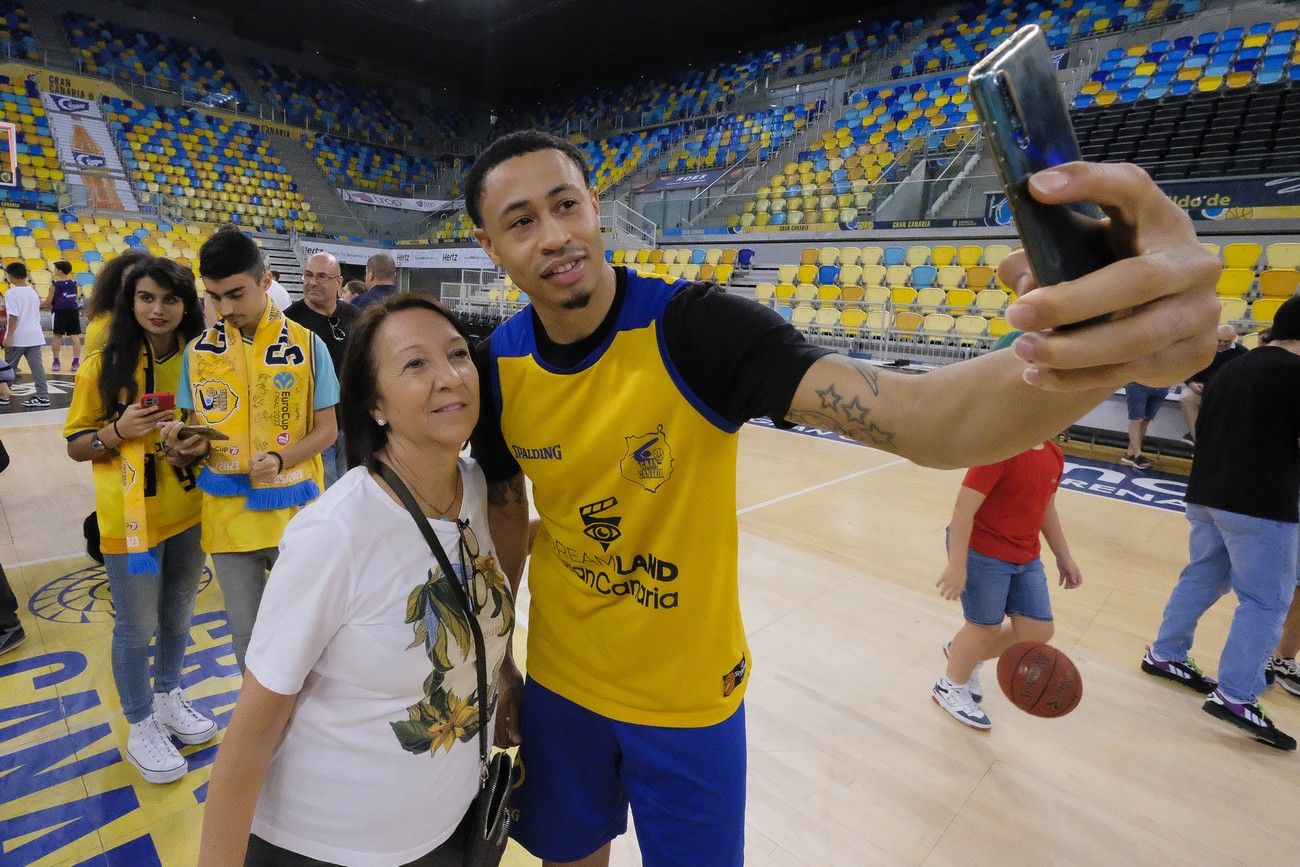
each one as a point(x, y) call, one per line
point(734, 678)
point(603, 529)
point(649, 460)
point(215, 400)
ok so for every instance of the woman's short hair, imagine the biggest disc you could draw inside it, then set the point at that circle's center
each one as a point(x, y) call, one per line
point(363, 436)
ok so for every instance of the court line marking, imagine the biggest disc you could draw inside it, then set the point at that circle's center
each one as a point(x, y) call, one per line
point(81, 553)
point(817, 487)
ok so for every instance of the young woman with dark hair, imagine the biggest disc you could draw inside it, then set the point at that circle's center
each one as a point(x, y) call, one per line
point(147, 506)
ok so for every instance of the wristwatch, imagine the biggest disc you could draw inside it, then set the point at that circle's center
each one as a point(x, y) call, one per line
point(97, 444)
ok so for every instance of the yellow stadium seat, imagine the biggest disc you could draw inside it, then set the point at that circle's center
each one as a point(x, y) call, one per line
point(808, 256)
point(959, 301)
point(1212, 249)
point(851, 321)
point(851, 294)
point(874, 275)
point(765, 293)
point(970, 329)
point(1232, 309)
point(828, 256)
point(999, 326)
point(1235, 282)
point(827, 294)
point(898, 275)
point(1278, 283)
point(875, 296)
point(930, 299)
point(787, 273)
point(995, 253)
point(872, 255)
point(943, 255)
point(950, 276)
point(878, 322)
point(902, 296)
point(807, 274)
point(805, 293)
point(1265, 309)
point(827, 320)
point(1241, 255)
point(907, 325)
point(803, 317)
point(1284, 254)
point(722, 274)
point(853, 256)
point(784, 292)
point(918, 254)
point(979, 277)
point(991, 302)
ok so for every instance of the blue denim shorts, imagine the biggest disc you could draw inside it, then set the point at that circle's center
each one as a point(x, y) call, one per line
point(996, 588)
point(1143, 401)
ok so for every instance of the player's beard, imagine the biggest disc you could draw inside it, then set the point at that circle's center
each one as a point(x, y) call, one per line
point(578, 300)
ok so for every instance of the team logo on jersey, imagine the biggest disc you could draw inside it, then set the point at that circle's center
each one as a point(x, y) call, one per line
point(649, 460)
point(215, 400)
point(734, 678)
point(601, 527)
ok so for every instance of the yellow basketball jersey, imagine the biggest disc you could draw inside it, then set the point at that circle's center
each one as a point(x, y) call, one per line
point(635, 611)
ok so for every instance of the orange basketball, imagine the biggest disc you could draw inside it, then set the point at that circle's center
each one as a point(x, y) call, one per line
point(1039, 679)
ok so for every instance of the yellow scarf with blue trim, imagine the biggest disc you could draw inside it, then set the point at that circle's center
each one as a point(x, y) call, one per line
point(261, 398)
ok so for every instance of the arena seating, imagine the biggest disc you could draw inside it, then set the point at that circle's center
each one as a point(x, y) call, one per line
point(1236, 58)
point(734, 136)
point(374, 168)
point(977, 27)
point(40, 238)
point(1201, 134)
point(1255, 281)
point(711, 263)
point(216, 170)
point(38, 160)
point(316, 103)
point(16, 37)
point(830, 183)
point(849, 47)
point(110, 49)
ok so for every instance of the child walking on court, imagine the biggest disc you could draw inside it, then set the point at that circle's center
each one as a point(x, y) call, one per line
point(995, 568)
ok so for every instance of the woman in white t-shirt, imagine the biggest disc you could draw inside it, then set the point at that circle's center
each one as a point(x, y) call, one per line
point(355, 738)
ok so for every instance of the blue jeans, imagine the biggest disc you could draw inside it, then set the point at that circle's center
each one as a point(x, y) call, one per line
point(1143, 401)
point(161, 603)
point(242, 578)
point(335, 459)
point(1256, 559)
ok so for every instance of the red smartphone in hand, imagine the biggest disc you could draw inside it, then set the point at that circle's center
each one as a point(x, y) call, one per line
point(158, 400)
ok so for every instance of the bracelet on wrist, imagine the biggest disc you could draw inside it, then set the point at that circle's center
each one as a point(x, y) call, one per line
point(279, 459)
point(117, 433)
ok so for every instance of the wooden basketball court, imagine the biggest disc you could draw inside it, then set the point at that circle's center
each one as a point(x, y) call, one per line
point(849, 760)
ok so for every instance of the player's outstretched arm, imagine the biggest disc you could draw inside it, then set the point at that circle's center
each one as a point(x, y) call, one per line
point(989, 408)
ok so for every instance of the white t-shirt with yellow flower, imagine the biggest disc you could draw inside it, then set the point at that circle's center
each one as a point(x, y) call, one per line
point(380, 759)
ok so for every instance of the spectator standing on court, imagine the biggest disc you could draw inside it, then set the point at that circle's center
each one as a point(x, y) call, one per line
point(277, 293)
point(23, 336)
point(1242, 507)
point(995, 568)
point(381, 280)
point(63, 301)
point(621, 398)
point(352, 290)
point(267, 384)
point(11, 628)
point(103, 295)
point(1190, 398)
point(147, 510)
point(331, 320)
point(1143, 404)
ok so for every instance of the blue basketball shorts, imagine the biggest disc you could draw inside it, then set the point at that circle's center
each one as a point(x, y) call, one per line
point(581, 771)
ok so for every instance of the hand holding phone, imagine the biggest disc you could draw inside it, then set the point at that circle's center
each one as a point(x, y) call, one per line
point(1027, 125)
point(158, 400)
point(209, 433)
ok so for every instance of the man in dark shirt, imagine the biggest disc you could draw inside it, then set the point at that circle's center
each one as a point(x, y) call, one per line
point(381, 280)
point(598, 346)
point(321, 310)
point(1245, 529)
point(1190, 399)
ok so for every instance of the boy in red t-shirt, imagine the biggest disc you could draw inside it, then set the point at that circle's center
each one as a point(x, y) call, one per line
point(993, 565)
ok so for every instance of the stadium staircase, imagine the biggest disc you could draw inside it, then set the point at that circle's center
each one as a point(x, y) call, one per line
point(335, 216)
point(50, 35)
point(280, 256)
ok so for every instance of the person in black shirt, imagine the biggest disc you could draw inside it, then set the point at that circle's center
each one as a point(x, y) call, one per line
point(537, 217)
point(321, 310)
point(1245, 529)
point(1190, 399)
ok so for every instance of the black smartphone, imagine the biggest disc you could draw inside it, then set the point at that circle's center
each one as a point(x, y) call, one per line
point(1027, 124)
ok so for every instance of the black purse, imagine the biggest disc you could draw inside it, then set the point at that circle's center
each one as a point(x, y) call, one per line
point(489, 814)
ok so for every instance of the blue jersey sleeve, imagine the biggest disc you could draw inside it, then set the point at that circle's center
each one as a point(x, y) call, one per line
point(327, 382)
point(185, 394)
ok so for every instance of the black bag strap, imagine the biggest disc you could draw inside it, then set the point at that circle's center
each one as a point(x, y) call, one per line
point(417, 514)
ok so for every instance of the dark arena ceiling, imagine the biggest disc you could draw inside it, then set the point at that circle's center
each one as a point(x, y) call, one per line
point(513, 53)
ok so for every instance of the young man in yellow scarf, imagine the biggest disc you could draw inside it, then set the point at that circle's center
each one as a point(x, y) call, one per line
point(267, 386)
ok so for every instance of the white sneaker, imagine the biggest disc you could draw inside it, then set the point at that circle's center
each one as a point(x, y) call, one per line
point(976, 690)
point(177, 716)
point(958, 702)
point(152, 753)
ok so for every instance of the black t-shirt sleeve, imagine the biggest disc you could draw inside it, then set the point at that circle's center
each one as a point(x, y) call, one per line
point(741, 359)
point(487, 443)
